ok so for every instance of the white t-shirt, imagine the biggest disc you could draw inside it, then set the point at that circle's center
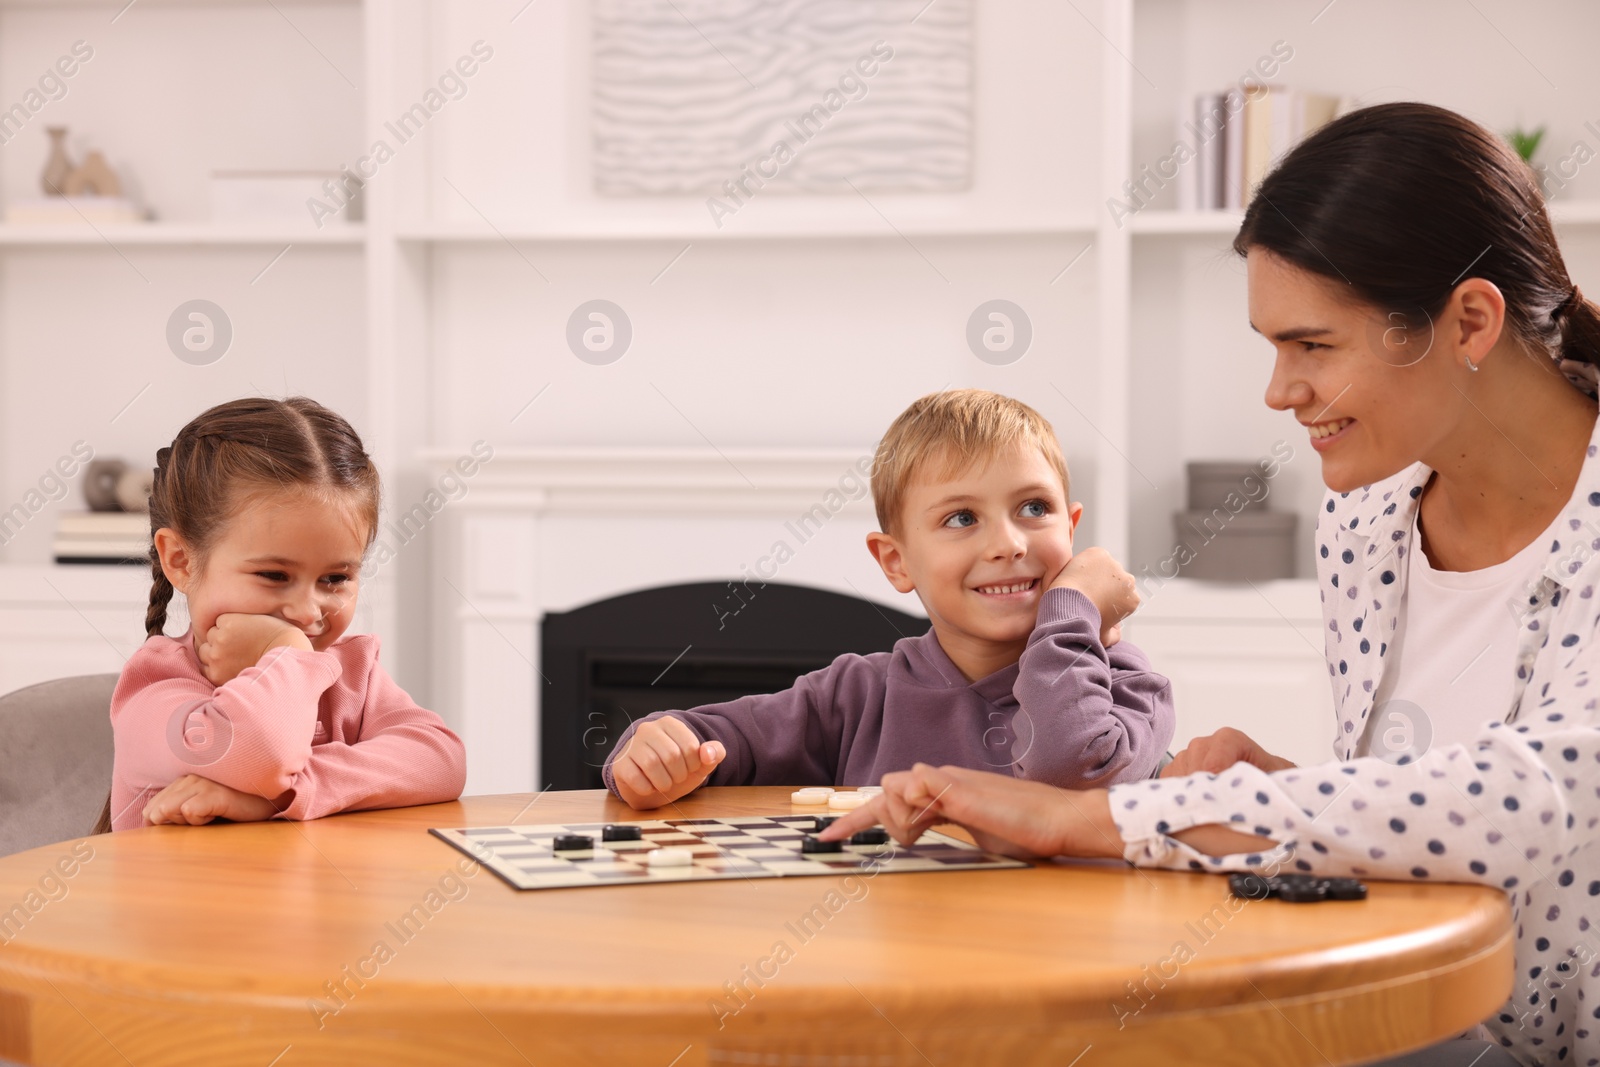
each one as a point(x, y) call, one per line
point(1451, 665)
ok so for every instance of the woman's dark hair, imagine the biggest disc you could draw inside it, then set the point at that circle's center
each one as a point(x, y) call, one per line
point(231, 454)
point(1402, 201)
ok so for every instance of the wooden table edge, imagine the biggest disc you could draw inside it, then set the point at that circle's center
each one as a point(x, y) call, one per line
point(21, 965)
point(1400, 1013)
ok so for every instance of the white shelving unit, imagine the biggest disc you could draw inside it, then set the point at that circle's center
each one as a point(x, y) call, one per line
point(801, 321)
point(168, 233)
point(603, 229)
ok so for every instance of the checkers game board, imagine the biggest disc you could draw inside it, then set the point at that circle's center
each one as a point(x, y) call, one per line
point(744, 846)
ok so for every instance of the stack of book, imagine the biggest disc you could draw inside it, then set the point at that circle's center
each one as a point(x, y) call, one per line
point(1239, 134)
point(103, 537)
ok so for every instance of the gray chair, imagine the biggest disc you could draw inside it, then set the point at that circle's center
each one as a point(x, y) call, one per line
point(55, 760)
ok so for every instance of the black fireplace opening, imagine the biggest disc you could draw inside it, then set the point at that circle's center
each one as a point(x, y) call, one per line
point(669, 648)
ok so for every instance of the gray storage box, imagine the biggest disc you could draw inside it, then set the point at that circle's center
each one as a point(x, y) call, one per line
point(1210, 481)
point(1255, 545)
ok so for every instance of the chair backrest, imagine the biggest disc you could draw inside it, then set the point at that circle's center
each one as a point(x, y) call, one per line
point(55, 760)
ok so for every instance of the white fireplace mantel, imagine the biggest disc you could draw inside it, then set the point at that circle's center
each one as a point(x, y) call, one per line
point(665, 480)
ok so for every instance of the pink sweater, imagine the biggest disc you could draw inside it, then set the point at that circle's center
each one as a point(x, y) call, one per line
point(315, 732)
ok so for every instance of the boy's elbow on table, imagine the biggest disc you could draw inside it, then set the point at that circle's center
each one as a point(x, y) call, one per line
point(1163, 714)
point(1144, 720)
point(1133, 758)
point(1122, 763)
point(1122, 738)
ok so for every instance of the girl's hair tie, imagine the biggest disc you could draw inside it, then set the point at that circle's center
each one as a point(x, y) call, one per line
point(1561, 308)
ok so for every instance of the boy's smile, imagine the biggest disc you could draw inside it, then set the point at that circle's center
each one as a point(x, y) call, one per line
point(980, 548)
point(1018, 589)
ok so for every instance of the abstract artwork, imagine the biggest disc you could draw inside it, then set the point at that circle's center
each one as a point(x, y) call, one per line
point(692, 97)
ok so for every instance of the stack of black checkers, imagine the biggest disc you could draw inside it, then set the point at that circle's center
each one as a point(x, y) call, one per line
point(1295, 888)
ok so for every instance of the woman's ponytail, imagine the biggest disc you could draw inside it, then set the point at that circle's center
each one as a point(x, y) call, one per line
point(1579, 321)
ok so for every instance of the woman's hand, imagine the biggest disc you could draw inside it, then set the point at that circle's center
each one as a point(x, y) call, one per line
point(1007, 815)
point(1221, 750)
point(236, 642)
point(193, 800)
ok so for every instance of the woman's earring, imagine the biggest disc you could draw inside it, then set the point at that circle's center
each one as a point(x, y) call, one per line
point(1471, 366)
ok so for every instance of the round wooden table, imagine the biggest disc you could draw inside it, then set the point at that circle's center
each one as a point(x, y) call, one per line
point(284, 944)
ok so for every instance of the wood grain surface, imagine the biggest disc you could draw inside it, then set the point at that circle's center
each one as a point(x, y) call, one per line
point(361, 939)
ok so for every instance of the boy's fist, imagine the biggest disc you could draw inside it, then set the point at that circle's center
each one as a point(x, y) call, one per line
point(663, 760)
point(237, 641)
point(1094, 573)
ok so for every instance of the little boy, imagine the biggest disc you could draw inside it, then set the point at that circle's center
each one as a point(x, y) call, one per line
point(1023, 668)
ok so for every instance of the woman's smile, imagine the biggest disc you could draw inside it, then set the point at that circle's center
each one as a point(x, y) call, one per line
point(1324, 435)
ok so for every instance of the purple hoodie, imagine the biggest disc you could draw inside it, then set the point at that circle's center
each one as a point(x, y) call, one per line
point(1070, 712)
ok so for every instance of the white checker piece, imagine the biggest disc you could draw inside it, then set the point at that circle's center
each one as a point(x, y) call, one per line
point(742, 846)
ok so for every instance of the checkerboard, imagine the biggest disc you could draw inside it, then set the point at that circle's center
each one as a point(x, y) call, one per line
point(743, 846)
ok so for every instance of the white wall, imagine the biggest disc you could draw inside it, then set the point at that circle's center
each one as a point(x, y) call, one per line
point(764, 342)
point(759, 342)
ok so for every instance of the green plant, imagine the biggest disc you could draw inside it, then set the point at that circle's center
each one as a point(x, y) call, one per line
point(1526, 142)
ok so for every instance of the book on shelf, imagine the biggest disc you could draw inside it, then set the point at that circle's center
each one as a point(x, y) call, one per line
point(102, 537)
point(1231, 186)
point(1238, 136)
point(1210, 115)
point(1275, 120)
point(1202, 121)
point(100, 523)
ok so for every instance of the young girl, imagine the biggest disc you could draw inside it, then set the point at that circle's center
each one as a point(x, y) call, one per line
point(261, 513)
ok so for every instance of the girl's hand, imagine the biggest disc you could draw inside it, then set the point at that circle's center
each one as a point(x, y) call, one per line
point(1098, 576)
point(238, 641)
point(1219, 751)
point(193, 800)
point(1008, 815)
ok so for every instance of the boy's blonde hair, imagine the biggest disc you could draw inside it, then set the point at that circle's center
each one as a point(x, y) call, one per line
point(951, 430)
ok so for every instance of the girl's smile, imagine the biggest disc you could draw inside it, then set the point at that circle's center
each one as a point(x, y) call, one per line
point(290, 556)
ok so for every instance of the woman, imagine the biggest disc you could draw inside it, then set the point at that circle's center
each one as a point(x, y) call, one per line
point(1401, 262)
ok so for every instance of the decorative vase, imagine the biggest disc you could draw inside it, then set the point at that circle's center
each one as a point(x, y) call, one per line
point(58, 166)
point(133, 488)
point(93, 177)
point(100, 484)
